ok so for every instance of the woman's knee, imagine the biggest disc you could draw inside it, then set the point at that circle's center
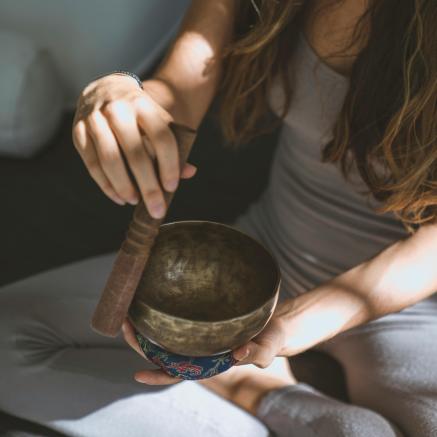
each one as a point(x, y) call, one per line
point(11, 358)
point(24, 334)
point(352, 421)
point(301, 410)
point(418, 415)
point(28, 323)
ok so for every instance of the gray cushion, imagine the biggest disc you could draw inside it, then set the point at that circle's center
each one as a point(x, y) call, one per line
point(30, 96)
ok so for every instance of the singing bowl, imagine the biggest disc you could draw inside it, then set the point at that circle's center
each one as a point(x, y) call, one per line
point(207, 289)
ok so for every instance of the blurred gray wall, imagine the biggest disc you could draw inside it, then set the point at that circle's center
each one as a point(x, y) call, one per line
point(87, 38)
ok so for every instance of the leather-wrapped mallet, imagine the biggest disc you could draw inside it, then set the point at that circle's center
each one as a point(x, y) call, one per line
point(131, 260)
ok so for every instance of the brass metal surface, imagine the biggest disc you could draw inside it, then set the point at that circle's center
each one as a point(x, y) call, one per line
point(207, 288)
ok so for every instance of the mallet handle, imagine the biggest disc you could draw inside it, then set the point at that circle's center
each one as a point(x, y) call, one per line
point(132, 257)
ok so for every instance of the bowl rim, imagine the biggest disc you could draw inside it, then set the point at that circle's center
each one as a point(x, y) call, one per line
point(274, 294)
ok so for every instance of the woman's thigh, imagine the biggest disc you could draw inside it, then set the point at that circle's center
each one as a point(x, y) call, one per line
point(391, 366)
point(55, 370)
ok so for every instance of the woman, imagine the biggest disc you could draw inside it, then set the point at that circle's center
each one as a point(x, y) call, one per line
point(349, 213)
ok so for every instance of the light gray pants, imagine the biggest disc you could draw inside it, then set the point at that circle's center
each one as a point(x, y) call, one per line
point(54, 370)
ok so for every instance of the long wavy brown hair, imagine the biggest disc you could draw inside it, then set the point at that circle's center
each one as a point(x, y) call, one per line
point(387, 127)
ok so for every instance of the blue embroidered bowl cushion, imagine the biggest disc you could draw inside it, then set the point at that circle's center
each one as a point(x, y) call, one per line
point(185, 367)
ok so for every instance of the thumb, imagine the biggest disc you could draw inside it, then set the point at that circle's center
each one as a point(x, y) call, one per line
point(261, 355)
point(241, 353)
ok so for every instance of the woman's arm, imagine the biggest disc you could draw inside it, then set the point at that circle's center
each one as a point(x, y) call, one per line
point(186, 81)
point(120, 127)
point(400, 276)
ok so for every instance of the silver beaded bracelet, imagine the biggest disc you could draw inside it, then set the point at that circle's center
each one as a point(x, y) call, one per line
point(124, 73)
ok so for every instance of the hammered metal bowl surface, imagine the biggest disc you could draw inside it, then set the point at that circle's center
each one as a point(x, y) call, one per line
point(207, 288)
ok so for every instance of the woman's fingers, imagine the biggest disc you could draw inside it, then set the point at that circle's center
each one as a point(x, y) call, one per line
point(87, 152)
point(241, 353)
point(262, 350)
point(123, 122)
point(260, 355)
point(121, 138)
point(188, 171)
point(151, 377)
point(163, 142)
point(130, 338)
point(110, 157)
point(155, 377)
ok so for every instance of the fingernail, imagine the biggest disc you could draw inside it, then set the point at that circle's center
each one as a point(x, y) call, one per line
point(157, 211)
point(245, 355)
point(118, 200)
point(172, 185)
point(133, 201)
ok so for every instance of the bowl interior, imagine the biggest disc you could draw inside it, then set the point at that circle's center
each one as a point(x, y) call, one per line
point(207, 271)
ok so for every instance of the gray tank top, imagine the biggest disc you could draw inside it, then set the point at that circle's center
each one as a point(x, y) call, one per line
point(315, 222)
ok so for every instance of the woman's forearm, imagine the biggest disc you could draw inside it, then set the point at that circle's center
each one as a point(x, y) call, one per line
point(186, 81)
point(396, 278)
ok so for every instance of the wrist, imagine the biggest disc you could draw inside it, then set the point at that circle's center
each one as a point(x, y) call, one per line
point(320, 315)
point(125, 73)
point(169, 97)
point(305, 324)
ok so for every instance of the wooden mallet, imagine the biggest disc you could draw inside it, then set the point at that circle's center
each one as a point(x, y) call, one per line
point(132, 257)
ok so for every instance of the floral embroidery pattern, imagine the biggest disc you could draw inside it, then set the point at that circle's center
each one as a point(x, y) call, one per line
point(185, 367)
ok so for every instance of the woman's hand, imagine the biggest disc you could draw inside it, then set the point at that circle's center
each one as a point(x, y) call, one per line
point(151, 377)
point(118, 128)
point(268, 344)
point(260, 351)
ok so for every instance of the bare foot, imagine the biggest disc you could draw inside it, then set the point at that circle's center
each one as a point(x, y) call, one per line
point(246, 385)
